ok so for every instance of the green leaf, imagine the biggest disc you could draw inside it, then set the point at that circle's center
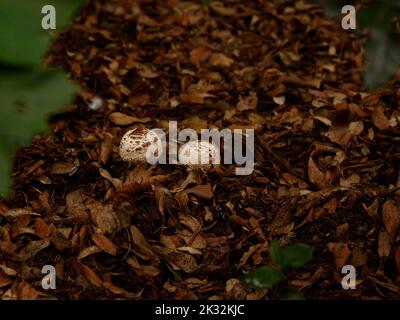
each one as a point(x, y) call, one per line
point(264, 277)
point(23, 42)
point(27, 99)
point(376, 16)
point(382, 58)
point(396, 4)
point(275, 252)
point(296, 255)
point(382, 49)
point(5, 169)
point(333, 8)
point(293, 256)
point(290, 293)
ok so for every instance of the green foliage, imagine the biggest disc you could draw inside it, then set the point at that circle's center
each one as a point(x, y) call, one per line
point(284, 258)
point(264, 277)
point(382, 49)
point(333, 8)
point(29, 92)
point(293, 256)
point(27, 99)
point(23, 42)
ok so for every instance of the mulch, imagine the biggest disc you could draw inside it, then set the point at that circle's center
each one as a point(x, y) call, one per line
point(327, 156)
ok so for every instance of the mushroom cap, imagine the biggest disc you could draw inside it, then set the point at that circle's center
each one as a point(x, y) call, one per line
point(199, 155)
point(135, 143)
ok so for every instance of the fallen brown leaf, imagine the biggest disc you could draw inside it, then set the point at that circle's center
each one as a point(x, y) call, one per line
point(391, 217)
point(121, 119)
point(341, 253)
point(33, 248)
point(104, 243)
point(91, 276)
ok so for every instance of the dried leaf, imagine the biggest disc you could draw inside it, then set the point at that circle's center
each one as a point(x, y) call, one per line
point(33, 248)
point(41, 228)
point(202, 191)
point(91, 276)
point(104, 243)
point(384, 244)
point(26, 292)
point(14, 213)
point(379, 119)
point(121, 119)
point(315, 174)
point(341, 253)
point(59, 240)
point(88, 252)
point(63, 168)
point(199, 54)
point(185, 262)
point(76, 206)
point(160, 199)
point(106, 175)
point(106, 147)
point(141, 245)
point(247, 103)
point(391, 217)
point(220, 60)
point(8, 271)
point(116, 290)
point(104, 217)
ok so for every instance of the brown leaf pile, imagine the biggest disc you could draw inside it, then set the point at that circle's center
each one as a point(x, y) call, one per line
point(327, 158)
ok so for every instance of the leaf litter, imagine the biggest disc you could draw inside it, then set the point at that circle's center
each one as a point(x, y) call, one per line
point(326, 172)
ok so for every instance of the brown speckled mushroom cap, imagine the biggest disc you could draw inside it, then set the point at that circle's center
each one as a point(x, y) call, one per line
point(199, 155)
point(134, 145)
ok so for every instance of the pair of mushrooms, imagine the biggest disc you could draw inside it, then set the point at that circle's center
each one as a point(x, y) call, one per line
point(195, 155)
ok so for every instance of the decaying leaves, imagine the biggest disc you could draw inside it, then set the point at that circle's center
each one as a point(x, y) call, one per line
point(326, 158)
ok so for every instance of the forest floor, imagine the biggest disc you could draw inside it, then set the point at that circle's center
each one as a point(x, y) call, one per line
point(327, 156)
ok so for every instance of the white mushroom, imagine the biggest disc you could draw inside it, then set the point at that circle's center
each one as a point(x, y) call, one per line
point(136, 143)
point(199, 155)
